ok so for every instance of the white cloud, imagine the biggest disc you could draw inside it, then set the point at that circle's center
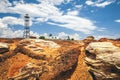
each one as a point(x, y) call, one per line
point(9, 33)
point(2, 25)
point(35, 10)
point(18, 2)
point(117, 20)
point(99, 3)
point(75, 36)
point(74, 23)
point(73, 13)
point(44, 11)
point(63, 35)
point(107, 36)
point(78, 6)
point(89, 2)
point(5, 21)
point(104, 4)
point(45, 34)
point(12, 21)
point(101, 29)
point(34, 34)
point(54, 2)
point(4, 4)
point(39, 20)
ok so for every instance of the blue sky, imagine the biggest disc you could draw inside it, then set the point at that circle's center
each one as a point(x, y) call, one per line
point(62, 18)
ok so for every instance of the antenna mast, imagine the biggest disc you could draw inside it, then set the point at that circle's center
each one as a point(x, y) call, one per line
point(26, 33)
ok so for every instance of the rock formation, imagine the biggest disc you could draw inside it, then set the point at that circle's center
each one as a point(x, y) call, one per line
point(36, 59)
point(4, 48)
point(89, 39)
point(103, 59)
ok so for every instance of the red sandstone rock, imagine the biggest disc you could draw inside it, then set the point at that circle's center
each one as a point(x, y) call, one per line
point(53, 58)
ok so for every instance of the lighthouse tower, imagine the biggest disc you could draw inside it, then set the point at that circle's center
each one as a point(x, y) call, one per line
point(26, 33)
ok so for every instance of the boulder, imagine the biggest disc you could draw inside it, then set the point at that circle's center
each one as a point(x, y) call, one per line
point(52, 58)
point(4, 51)
point(89, 39)
point(3, 47)
point(103, 60)
point(36, 48)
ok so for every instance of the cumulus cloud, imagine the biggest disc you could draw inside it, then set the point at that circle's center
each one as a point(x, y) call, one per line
point(62, 35)
point(116, 36)
point(99, 3)
point(117, 20)
point(45, 11)
point(101, 29)
point(74, 23)
point(78, 6)
point(39, 20)
point(75, 36)
point(4, 4)
point(7, 32)
point(46, 35)
point(12, 20)
point(35, 10)
point(32, 33)
point(15, 2)
point(8, 20)
point(89, 2)
point(54, 2)
point(73, 13)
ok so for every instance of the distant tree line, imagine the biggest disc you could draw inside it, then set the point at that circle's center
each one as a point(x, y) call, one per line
point(42, 37)
point(70, 38)
point(52, 37)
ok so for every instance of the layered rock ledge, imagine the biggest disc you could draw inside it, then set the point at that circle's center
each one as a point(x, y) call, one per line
point(103, 60)
point(36, 59)
point(4, 47)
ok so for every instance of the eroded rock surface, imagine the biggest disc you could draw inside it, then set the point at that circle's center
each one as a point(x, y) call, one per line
point(103, 59)
point(47, 59)
point(4, 48)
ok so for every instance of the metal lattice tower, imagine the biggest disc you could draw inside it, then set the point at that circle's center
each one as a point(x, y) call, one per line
point(26, 33)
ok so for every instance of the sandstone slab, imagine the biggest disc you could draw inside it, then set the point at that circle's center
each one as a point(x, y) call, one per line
point(3, 47)
point(103, 59)
point(53, 58)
